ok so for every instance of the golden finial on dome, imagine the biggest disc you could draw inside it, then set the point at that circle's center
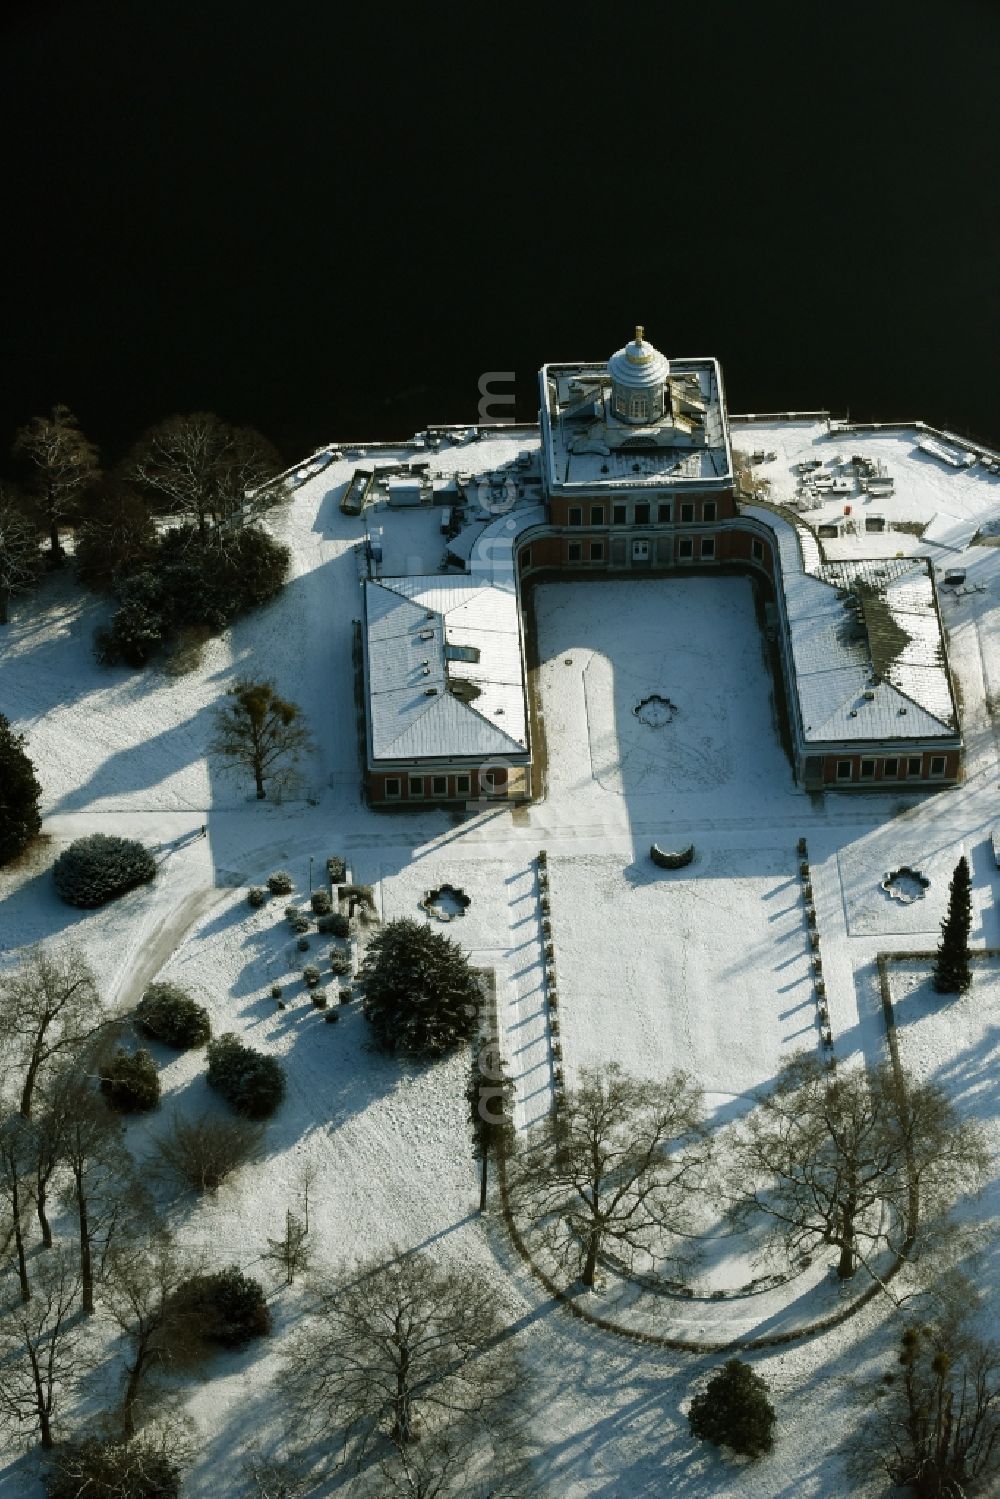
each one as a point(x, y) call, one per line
point(638, 333)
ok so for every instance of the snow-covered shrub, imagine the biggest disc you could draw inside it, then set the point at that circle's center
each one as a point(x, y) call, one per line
point(130, 1082)
point(331, 1017)
point(299, 923)
point(280, 882)
point(346, 995)
point(135, 634)
point(303, 944)
point(336, 869)
point(112, 1468)
point(256, 896)
point(318, 997)
point(734, 1411)
point(168, 1013)
point(311, 975)
point(276, 991)
point(228, 1307)
point(100, 867)
point(254, 1084)
point(340, 962)
point(335, 924)
point(320, 902)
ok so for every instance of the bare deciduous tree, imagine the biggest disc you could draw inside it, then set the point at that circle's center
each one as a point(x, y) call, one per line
point(39, 1356)
point(49, 1007)
point(18, 1157)
point(103, 1194)
point(202, 467)
point(62, 465)
point(139, 1290)
point(20, 558)
point(205, 1151)
point(851, 1159)
point(259, 730)
point(621, 1162)
point(933, 1425)
point(396, 1350)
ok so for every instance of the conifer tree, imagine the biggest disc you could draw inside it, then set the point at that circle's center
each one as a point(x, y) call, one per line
point(20, 819)
point(952, 974)
point(421, 997)
point(490, 1094)
point(734, 1411)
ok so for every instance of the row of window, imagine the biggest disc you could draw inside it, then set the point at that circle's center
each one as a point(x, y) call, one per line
point(640, 551)
point(642, 512)
point(638, 407)
point(890, 768)
point(420, 787)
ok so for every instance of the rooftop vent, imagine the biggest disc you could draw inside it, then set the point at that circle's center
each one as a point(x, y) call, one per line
point(430, 692)
point(901, 712)
point(868, 695)
point(426, 634)
point(853, 713)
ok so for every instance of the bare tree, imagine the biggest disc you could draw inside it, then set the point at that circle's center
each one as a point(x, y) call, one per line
point(259, 730)
point(62, 465)
point(139, 1290)
point(621, 1162)
point(103, 1193)
point(205, 1151)
point(291, 1252)
point(933, 1424)
point(395, 1349)
point(20, 558)
point(851, 1159)
point(49, 1007)
point(39, 1357)
point(18, 1157)
point(202, 467)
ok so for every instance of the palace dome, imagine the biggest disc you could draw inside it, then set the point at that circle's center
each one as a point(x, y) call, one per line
point(638, 365)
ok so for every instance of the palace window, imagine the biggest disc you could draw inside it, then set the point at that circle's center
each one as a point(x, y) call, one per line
point(575, 551)
point(439, 785)
point(937, 765)
point(708, 548)
point(844, 770)
point(664, 511)
point(463, 785)
point(642, 515)
point(914, 765)
point(890, 769)
point(685, 549)
point(687, 512)
point(619, 514)
point(637, 408)
point(392, 786)
point(708, 510)
point(575, 517)
point(416, 785)
point(867, 770)
point(597, 551)
point(597, 515)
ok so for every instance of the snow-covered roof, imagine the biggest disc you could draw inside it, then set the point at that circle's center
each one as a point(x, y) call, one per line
point(444, 666)
point(866, 643)
point(585, 445)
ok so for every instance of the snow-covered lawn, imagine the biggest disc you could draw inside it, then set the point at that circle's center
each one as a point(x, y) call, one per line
point(705, 968)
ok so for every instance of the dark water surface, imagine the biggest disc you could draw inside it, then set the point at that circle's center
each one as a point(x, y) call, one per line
point(329, 220)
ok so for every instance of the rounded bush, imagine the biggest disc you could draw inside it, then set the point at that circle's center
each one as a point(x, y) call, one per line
point(256, 896)
point(280, 882)
point(276, 991)
point(311, 975)
point(320, 902)
point(340, 962)
point(340, 925)
point(733, 1410)
point(100, 867)
point(346, 995)
point(251, 1082)
point(331, 1017)
point(169, 1014)
point(299, 923)
point(228, 1307)
point(130, 1082)
point(318, 997)
point(110, 1468)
